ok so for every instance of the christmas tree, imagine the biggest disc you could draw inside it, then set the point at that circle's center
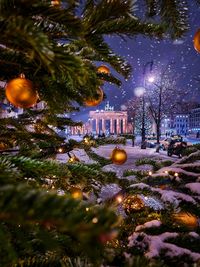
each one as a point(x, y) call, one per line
point(52, 213)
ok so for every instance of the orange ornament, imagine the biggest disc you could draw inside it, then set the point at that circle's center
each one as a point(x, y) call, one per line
point(55, 3)
point(186, 219)
point(21, 92)
point(197, 41)
point(76, 193)
point(118, 156)
point(92, 102)
point(103, 69)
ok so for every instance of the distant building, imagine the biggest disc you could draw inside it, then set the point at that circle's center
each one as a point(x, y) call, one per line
point(194, 120)
point(166, 125)
point(181, 124)
point(108, 121)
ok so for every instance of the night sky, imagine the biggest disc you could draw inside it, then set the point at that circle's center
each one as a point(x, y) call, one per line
point(140, 50)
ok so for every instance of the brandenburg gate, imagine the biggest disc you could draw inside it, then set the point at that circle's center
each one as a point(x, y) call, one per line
point(108, 120)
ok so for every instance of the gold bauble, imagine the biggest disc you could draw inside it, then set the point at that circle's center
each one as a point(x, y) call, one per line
point(55, 3)
point(76, 193)
point(3, 146)
point(92, 102)
point(118, 156)
point(73, 159)
point(197, 41)
point(186, 219)
point(21, 93)
point(103, 69)
point(133, 204)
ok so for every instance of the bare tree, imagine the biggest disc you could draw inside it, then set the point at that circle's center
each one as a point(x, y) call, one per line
point(164, 98)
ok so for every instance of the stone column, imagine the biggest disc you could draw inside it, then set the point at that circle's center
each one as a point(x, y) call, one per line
point(103, 125)
point(124, 126)
point(118, 126)
point(112, 130)
point(97, 126)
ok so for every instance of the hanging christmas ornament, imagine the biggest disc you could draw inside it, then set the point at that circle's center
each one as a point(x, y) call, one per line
point(133, 204)
point(3, 146)
point(55, 3)
point(197, 41)
point(118, 156)
point(186, 219)
point(92, 102)
point(76, 193)
point(73, 159)
point(103, 69)
point(21, 92)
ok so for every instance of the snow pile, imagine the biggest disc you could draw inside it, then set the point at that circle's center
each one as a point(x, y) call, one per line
point(150, 224)
point(176, 169)
point(154, 245)
point(173, 197)
point(166, 195)
point(109, 191)
point(79, 153)
point(194, 187)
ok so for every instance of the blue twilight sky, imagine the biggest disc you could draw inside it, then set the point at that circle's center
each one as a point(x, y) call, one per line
point(139, 50)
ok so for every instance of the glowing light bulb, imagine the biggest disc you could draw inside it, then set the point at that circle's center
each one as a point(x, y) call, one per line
point(150, 173)
point(151, 79)
point(95, 220)
point(176, 174)
point(119, 199)
point(60, 150)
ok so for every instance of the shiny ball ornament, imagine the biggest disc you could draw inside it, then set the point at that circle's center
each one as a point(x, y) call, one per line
point(118, 156)
point(3, 146)
point(92, 102)
point(186, 219)
point(197, 41)
point(73, 159)
point(21, 93)
point(132, 204)
point(55, 3)
point(103, 69)
point(76, 193)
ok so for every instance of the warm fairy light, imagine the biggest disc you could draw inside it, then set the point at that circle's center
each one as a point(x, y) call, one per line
point(95, 220)
point(86, 140)
point(87, 209)
point(119, 199)
point(150, 173)
point(60, 150)
point(166, 172)
point(176, 174)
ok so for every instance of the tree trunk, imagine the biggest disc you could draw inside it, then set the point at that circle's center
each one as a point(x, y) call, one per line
point(158, 137)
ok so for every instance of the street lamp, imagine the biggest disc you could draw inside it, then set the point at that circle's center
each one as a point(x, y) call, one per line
point(151, 79)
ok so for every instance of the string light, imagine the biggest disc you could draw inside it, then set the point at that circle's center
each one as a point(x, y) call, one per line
point(87, 209)
point(60, 150)
point(166, 172)
point(150, 173)
point(95, 220)
point(176, 174)
point(119, 199)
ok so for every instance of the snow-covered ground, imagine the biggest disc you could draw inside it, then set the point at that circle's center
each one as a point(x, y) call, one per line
point(133, 154)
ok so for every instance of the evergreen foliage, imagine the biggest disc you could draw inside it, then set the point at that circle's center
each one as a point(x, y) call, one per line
point(57, 47)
